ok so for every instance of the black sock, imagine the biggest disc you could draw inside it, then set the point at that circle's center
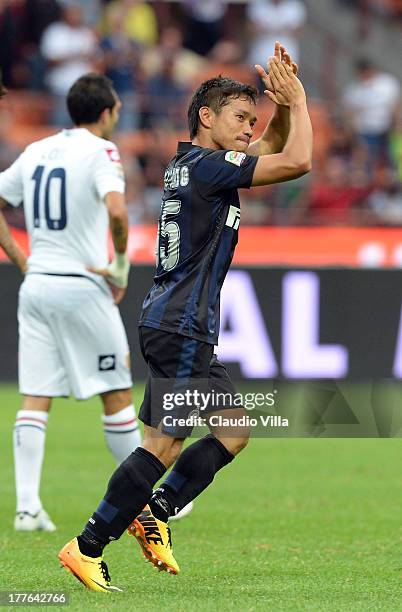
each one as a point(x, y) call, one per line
point(129, 490)
point(192, 473)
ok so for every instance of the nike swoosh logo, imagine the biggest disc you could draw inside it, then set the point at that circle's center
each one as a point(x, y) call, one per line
point(106, 588)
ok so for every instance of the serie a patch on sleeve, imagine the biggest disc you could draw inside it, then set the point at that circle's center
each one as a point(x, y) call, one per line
point(113, 155)
point(234, 157)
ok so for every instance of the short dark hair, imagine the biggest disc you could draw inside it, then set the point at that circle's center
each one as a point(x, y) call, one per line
point(88, 97)
point(216, 93)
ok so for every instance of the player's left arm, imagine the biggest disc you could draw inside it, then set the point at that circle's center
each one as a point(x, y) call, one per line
point(109, 181)
point(276, 133)
point(116, 273)
point(9, 245)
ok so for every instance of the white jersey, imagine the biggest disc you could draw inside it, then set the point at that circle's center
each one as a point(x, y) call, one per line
point(62, 181)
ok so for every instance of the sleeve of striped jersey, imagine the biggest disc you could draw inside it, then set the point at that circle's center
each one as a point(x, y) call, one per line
point(108, 172)
point(11, 183)
point(221, 170)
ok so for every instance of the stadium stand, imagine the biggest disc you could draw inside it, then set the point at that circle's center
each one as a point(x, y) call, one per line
point(155, 68)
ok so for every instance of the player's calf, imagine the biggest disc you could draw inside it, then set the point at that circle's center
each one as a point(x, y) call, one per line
point(193, 472)
point(229, 427)
point(165, 448)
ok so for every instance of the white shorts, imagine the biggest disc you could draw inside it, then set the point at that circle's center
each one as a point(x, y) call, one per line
point(71, 338)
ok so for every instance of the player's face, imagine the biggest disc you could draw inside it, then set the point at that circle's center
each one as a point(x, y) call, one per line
point(232, 128)
point(111, 119)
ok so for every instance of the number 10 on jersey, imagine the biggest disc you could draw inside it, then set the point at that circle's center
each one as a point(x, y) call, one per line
point(41, 204)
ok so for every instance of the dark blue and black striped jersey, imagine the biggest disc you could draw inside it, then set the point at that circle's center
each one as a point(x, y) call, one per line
point(197, 236)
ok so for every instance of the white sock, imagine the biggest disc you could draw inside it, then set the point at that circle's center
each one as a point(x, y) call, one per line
point(122, 433)
point(29, 446)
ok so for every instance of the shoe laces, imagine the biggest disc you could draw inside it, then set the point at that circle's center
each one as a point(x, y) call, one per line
point(105, 571)
point(169, 537)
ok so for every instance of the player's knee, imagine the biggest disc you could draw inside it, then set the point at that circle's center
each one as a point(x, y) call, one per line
point(31, 402)
point(235, 445)
point(241, 444)
point(114, 401)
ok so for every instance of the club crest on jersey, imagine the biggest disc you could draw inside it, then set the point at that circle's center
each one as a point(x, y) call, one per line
point(233, 218)
point(113, 155)
point(234, 157)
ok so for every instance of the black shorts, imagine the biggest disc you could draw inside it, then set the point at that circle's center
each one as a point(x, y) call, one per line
point(178, 365)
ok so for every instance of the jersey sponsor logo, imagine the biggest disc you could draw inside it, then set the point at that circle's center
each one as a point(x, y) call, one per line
point(107, 363)
point(236, 158)
point(113, 155)
point(233, 218)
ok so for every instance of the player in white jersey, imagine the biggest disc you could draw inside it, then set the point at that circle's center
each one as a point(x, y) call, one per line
point(71, 337)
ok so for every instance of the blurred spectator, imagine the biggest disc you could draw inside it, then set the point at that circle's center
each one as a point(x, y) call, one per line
point(12, 19)
point(204, 24)
point(70, 49)
point(226, 58)
point(273, 20)
point(350, 150)
point(287, 197)
point(153, 162)
point(385, 201)
point(384, 8)
point(370, 103)
point(186, 64)
point(345, 144)
point(139, 20)
point(389, 8)
point(258, 205)
point(39, 14)
point(396, 144)
point(91, 10)
point(8, 151)
point(333, 197)
point(8, 154)
point(135, 185)
point(166, 97)
point(121, 64)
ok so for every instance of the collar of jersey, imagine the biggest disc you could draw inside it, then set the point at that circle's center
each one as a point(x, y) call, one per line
point(184, 147)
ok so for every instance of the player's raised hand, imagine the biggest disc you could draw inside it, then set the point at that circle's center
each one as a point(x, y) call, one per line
point(116, 275)
point(284, 57)
point(288, 90)
point(287, 59)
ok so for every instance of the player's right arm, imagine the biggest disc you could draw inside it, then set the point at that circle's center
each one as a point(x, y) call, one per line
point(11, 192)
point(9, 245)
point(296, 157)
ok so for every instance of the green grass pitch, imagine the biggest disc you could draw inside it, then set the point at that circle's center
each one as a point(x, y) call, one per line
point(292, 524)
